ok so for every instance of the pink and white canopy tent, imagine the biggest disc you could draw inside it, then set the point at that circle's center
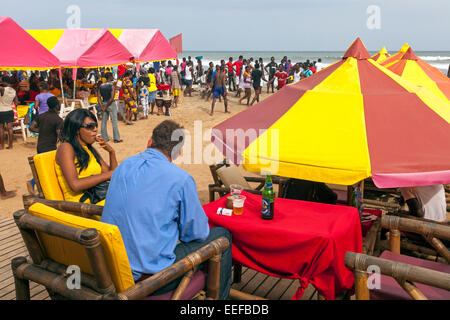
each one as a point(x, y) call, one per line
point(147, 45)
point(85, 48)
point(20, 51)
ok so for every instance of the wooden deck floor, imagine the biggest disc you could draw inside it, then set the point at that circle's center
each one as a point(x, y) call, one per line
point(253, 282)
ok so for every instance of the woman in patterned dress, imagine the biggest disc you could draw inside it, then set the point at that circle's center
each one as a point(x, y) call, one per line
point(129, 98)
point(142, 87)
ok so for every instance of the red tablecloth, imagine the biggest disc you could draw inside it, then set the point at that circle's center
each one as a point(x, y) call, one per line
point(305, 241)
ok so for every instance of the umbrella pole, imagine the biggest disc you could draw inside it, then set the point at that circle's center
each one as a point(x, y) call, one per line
point(355, 187)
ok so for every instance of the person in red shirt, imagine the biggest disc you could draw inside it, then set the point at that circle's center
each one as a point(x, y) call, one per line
point(231, 76)
point(238, 64)
point(281, 76)
point(121, 70)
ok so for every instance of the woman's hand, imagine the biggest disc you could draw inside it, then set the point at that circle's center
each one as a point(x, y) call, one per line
point(103, 144)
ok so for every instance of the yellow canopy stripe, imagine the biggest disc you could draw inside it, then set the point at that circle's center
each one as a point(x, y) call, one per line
point(311, 159)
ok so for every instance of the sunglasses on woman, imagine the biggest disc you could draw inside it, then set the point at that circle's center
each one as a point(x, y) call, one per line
point(90, 126)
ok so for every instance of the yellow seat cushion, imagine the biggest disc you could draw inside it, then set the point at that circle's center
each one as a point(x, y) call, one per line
point(22, 110)
point(70, 253)
point(231, 175)
point(45, 168)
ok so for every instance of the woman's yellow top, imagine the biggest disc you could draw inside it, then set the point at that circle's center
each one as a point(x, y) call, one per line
point(93, 168)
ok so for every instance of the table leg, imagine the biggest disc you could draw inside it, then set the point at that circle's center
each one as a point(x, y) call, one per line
point(237, 273)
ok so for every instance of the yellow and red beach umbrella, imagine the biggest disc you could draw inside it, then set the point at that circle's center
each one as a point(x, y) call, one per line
point(352, 120)
point(420, 73)
point(396, 56)
point(381, 55)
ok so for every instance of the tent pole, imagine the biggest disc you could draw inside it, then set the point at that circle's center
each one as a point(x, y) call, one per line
point(74, 78)
point(62, 87)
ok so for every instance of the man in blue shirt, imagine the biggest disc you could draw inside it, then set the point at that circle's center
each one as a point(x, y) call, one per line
point(154, 203)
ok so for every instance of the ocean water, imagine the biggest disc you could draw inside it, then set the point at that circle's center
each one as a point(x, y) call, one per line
point(438, 59)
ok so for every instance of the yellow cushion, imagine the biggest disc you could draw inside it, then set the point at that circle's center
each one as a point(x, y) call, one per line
point(45, 168)
point(231, 175)
point(71, 253)
point(22, 110)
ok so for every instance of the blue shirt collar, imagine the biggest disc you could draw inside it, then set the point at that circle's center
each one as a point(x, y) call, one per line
point(153, 153)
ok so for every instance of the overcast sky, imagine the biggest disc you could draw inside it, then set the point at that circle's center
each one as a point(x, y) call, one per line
point(260, 25)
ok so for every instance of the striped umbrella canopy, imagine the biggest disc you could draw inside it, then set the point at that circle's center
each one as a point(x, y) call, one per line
point(350, 121)
point(381, 55)
point(396, 56)
point(420, 73)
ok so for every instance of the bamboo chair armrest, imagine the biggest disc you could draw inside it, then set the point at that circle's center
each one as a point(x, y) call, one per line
point(419, 226)
point(191, 261)
point(215, 188)
point(407, 216)
point(255, 179)
point(398, 270)
point(86, 209)
point(253, 191)
point(275, 179)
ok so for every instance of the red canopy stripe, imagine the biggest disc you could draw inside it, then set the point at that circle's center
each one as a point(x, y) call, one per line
point(19, 49)
point(398, 67)
point(442, 81)
point(395, 130)
point(264, 114)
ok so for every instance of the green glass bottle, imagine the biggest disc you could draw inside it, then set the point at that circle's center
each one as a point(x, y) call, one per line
point(268, 199)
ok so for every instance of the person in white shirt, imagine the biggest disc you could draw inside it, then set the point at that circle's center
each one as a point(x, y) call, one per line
point(297, 72)
point(426, 201)
point(319, 65)
point(188, 78)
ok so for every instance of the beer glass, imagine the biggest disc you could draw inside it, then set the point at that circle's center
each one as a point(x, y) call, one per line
point(235, 190)
point(238, 205)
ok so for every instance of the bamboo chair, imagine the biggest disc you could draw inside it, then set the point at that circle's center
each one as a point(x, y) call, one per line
point(56, 240)
point(43, 170)
point(221, 187)
point(407, 271)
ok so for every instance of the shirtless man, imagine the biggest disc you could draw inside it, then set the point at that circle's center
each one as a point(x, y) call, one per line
point(220, 89)
point(272, 65)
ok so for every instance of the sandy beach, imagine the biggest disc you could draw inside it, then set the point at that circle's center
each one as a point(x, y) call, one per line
point(16, 170)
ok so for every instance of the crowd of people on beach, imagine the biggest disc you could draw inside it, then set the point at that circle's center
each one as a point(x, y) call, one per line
point(129, 89)
point(125, 91)
point(152, 243)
